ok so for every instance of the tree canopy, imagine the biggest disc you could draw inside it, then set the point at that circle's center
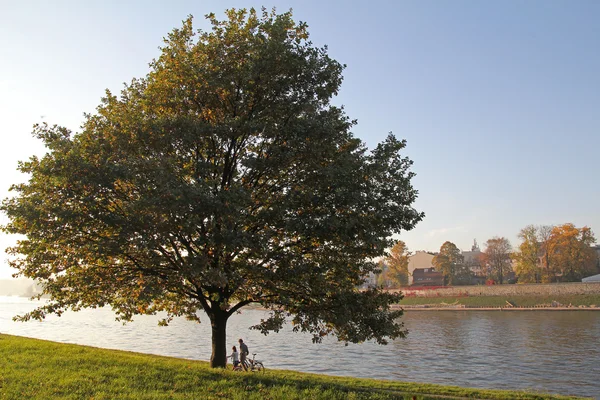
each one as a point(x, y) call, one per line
point(222, 178)
point(527, 258)
point(496, 258)
point(528, 264)
point(450, 262)
point(572, 257)
point(560, 253)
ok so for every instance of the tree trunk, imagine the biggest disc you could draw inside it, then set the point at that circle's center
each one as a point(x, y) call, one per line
point(218, 322)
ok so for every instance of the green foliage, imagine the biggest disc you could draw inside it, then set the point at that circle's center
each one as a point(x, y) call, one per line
point(450, 262)
point(36, 369)
point(224, 177)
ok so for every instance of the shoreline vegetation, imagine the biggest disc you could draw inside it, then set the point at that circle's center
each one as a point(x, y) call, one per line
point(571, 302)
point(39, 369)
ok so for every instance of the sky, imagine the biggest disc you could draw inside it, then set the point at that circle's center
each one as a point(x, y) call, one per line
point(499, 101)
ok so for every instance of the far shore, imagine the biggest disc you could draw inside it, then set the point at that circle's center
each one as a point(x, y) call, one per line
point(536, 297)
point(466, 308)
point(573, 296)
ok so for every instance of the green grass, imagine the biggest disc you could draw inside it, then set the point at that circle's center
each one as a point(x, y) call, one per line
point(37, 369)
point(500, 301)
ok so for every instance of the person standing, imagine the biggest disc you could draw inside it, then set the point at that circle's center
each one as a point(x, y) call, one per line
point(234, 357)
point(243, 353)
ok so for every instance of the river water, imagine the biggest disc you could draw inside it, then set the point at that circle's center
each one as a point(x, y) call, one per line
point(546, 351)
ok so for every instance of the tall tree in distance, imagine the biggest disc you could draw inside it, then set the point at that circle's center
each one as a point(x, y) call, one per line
point(496, 257)
point(528, 264)
point(450, 262)
point(222, 178)
point(396, 263)
point(544, 235)
point(571, 252)
point(555, 254)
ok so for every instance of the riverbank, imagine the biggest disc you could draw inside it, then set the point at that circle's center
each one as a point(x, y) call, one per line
point(557, 297)
point(531, 289)
point(451, 307)
point(37, 369)
point(530, 303)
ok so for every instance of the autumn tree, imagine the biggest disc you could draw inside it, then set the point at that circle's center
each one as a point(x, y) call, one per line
point(544, 235)
point(572, 256)
point(450, 262)
point(555, 253)
point(396, 265)
point(528, 265)
point(496, 258)
point(222, 178)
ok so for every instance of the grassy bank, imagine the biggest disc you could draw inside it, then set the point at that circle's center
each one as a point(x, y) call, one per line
point(36, 369)
point(586, 300)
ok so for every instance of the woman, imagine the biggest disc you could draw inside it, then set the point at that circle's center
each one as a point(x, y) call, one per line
point(235, 357)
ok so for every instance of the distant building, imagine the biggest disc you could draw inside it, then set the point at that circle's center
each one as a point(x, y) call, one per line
point(597, 248)
point(370, 280)
point(593, 278)
point(419, 260)
point(427, 277)
point(472, 259)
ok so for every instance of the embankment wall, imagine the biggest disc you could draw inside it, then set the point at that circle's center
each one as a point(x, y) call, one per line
point(575, 288)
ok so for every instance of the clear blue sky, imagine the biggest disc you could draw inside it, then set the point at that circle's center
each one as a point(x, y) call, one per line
point(499, 101)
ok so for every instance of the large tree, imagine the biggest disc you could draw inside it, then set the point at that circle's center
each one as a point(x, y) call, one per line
point(222, 178)
point(496, 258)
point(450, 262)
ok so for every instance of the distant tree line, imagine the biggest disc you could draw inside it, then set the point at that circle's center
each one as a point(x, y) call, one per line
point(555, 254)
point(562, 253)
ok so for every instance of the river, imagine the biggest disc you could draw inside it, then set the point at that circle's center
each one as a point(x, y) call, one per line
point(546, 351)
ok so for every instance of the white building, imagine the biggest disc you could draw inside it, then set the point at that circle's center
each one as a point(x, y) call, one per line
point(472, 259)
point(593, 278)
point(421, 259)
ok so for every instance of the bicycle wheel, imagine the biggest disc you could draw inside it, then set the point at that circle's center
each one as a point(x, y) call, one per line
point(258, 367)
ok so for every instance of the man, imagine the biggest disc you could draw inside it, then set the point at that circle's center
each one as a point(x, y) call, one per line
point(243, 353)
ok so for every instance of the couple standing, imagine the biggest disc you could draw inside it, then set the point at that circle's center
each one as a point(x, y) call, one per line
point(240, 358)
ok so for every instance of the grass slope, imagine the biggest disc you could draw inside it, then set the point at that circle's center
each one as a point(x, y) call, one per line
point(37, 369)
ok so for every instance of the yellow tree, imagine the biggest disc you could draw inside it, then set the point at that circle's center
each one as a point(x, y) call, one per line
point(571, 252)
point(396, 262)
point(528, 266)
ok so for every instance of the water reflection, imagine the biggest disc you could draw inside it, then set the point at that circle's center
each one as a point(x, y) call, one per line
point(541, 350)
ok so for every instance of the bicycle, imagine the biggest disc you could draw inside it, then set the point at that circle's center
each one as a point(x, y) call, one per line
point(238, 368)
point(253, 365)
